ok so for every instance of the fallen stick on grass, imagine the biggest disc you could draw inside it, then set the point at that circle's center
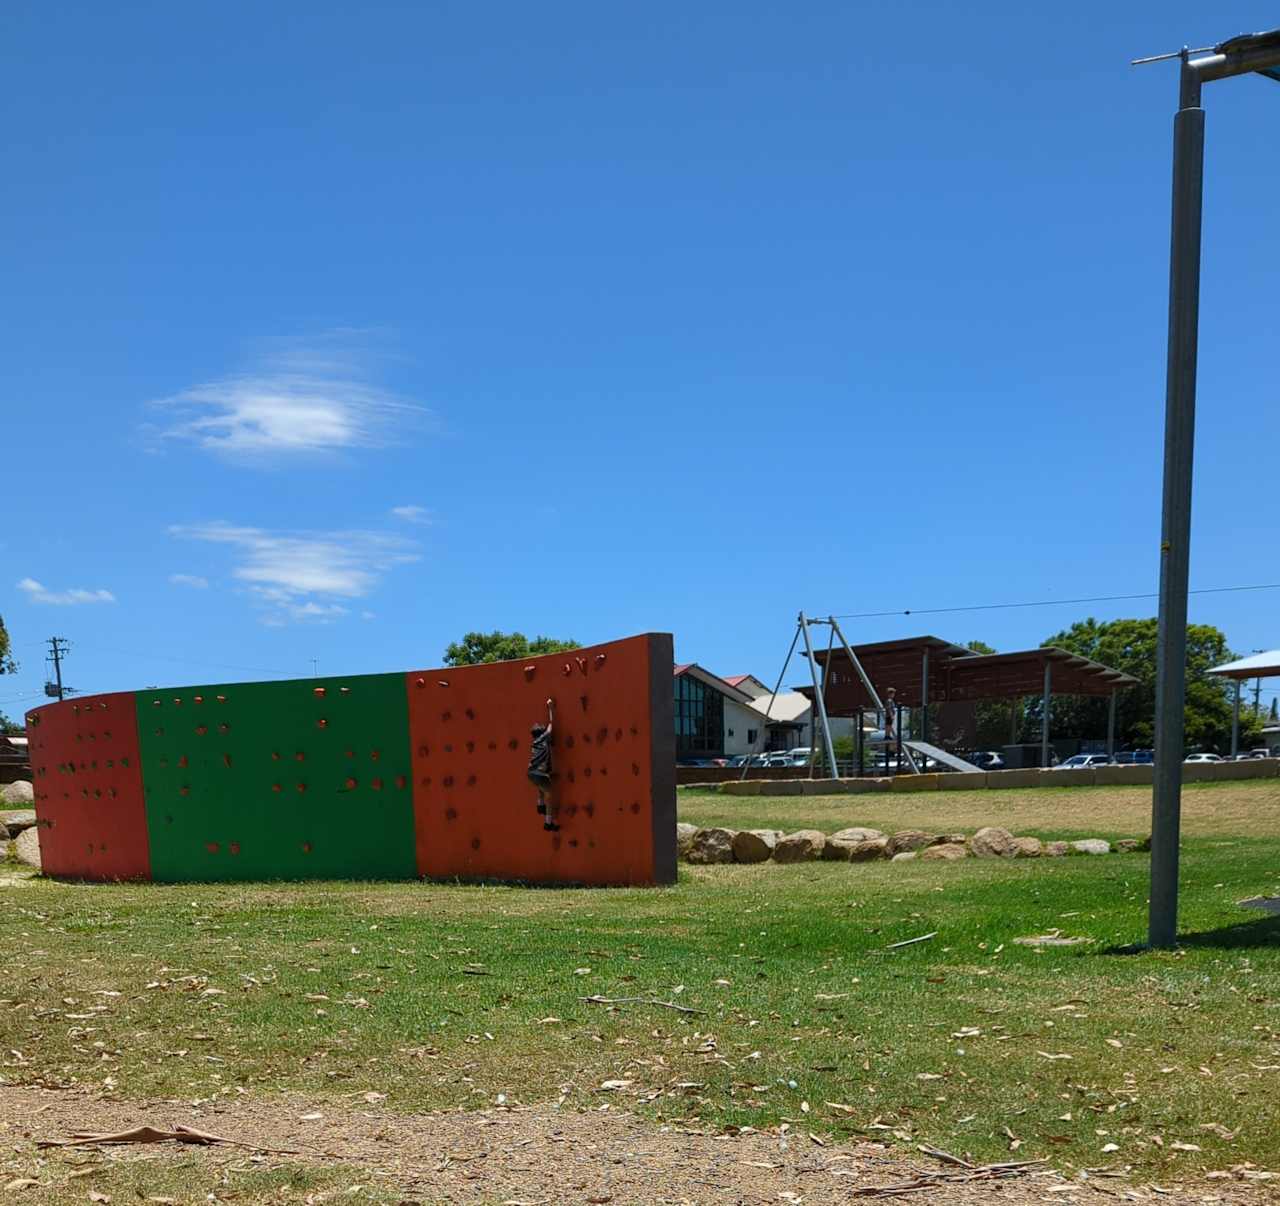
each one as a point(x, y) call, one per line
point(150, 1134)
point(893, 946)
point(640, 1001)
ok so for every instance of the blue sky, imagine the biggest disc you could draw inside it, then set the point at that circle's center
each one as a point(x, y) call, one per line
point(333, 332)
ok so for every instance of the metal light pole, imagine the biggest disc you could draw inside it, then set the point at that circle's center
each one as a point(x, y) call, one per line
point(1251, 52)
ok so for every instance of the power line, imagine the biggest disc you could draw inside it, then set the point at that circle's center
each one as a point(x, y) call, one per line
point(935, 611)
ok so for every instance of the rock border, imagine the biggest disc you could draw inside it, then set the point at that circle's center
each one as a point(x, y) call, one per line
point(861, 844)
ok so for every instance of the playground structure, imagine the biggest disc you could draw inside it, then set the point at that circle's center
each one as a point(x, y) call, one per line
point(378, 776)
point(926, 671)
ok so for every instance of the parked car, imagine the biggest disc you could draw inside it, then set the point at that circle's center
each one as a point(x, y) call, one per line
point(984, 759)
point(1077, 761)
point(1135, 757)
point(1203, 758)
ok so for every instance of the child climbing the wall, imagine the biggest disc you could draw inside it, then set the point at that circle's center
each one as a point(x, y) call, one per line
point(540, 769)
point(890, 711)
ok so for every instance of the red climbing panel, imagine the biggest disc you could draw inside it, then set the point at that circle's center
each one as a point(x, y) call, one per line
point(88, 788)
point(613, 766)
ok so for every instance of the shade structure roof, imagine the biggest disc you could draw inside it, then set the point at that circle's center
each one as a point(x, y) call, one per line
point(1260, 665)
point(958, 674)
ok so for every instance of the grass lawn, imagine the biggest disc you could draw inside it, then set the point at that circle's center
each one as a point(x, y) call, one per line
point(447, 996)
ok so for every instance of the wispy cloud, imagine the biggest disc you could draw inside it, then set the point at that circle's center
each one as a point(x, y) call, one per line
point(412, 514)
point(302, 575)
point(301, 398)
point(36, 593)
point(192, 580)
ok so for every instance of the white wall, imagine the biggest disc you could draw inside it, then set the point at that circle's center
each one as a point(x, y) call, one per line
point(738, 719)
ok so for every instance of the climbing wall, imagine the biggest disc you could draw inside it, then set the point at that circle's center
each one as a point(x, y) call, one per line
point(371, 777)
point(305, 779)
point(614, 781)
point(88, 788)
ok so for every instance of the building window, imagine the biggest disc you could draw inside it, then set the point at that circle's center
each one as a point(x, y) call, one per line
point(699, 719)
point(752, 735)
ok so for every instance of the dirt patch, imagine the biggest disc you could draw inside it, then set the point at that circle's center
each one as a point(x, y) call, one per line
point(515, 1155)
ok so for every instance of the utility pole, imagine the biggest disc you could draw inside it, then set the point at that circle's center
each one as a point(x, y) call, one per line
point(58, 647)
point(1238, 56)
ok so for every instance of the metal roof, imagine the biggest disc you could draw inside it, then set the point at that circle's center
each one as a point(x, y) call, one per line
point(957, 673)
point(1260, 665)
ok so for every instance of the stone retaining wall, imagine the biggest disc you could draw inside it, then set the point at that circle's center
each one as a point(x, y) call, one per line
point(1101, 776)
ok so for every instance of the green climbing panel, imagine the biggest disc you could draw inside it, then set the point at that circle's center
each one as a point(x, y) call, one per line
point(307, 779)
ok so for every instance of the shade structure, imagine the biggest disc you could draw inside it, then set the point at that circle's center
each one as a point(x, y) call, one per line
point(955, 674)
point(1260, 665)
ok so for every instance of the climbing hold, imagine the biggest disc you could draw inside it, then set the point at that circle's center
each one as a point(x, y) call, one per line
point(401, 782)
point(307, 847)
point(221, 698)
point(375, 754)
point(421, 682)
point(376, 785)
point(582, 664)
point(276, 787)
point(201, 730)
point(600, 658)
point(322, 723)
point(226, 759)
point(444, 682)
point(299, 757)
point(302, 787)
point(530, 671)
point(197, 699)
point(275, 755)
point(234, 848)
point(566, 669)
point(212, 847)
point(224, 727)
point(351, 785)
point(318, 692)
point(182, 761)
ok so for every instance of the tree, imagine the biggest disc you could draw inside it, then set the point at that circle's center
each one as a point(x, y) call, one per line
point(478, 648)
point(7, 666)
point(1130, 645)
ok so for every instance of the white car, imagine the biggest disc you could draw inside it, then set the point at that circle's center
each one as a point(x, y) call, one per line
point(1203, 758)
point(1076, 761)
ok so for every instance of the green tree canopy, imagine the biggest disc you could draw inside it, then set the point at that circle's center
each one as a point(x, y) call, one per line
point(477, 648)
point(7, 664)
point(1130, 645)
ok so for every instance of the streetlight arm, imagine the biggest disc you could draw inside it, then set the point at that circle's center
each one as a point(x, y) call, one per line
point(1239, 56)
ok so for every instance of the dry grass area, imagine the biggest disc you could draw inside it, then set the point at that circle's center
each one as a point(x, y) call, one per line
point(294, 1149)
point(1245, 809)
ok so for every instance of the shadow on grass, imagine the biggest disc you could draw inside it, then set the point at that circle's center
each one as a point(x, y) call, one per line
point(1243, 935)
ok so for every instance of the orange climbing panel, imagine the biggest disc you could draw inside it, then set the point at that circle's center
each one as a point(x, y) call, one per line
point(88, 788)
point(613, 767)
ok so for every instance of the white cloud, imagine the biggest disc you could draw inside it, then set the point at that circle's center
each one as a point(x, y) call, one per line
point(63, 598)
point(412, 514)
point(192, 580)
point(302, 575)
point(368, 615)
point(303, 398)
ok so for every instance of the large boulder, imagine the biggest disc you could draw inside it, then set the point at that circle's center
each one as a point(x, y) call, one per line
point(18, 792)
point(1055, 850)
point(754, 845)
point(910, 839)
point(905, 856)
point(993, 842)
point(711, 846)
point(1127, 846)
point(27, 847)
point(869, 851)
point(684, 838)
point(4, 839)
point(856, 833)
point(1091, 846)
point(803, 846)
point(1027, 847)
point(945, 852)
point(22, 819)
